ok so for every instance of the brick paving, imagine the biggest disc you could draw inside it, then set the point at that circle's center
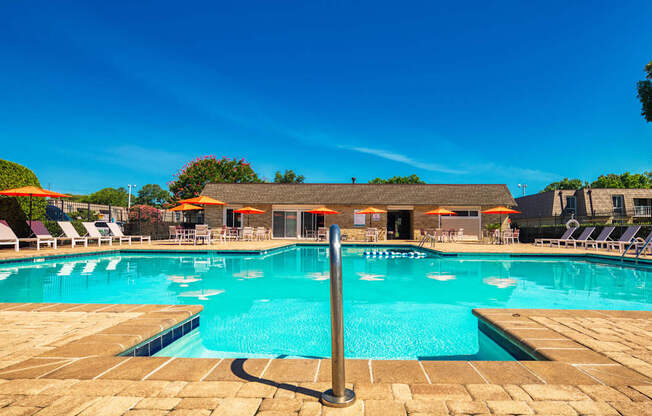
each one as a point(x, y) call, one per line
point(63, 362)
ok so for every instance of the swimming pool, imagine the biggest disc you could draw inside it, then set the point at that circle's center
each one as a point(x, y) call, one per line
point(277, 304)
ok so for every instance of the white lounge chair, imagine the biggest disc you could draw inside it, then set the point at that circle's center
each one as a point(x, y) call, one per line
point(7, 236)
point(42, 235)
point(625, 239)
point(586, 234)
point(117, 232)
point(94, 234)
point(72, 234)
point(602, 238)
point(567, 234)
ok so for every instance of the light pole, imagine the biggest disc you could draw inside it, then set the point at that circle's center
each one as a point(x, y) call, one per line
point(129, 199)
point(523, 186)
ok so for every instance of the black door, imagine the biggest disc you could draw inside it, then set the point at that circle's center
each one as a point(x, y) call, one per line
point(399, 225)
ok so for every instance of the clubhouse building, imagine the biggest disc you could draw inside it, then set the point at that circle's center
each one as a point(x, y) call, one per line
point(286, 207)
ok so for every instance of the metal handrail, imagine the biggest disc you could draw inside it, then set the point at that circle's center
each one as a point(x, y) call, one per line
point(338, 395)
point(642, 250)
point(638, 252)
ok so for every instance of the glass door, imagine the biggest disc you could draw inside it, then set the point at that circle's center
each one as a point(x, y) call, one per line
point(284, 224)
point(310, 223)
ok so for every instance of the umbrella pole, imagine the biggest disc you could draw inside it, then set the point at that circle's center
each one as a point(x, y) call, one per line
point(30, 211)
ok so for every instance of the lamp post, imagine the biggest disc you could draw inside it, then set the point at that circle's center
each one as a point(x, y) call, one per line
point(522, 186)
point(129, 199)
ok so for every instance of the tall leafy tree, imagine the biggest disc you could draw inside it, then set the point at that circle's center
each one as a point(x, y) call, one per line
point(152, 194)
point(564, 184)
point(625, 181)
point(645, 93)
point(108, 196)
point(412, 179)
point(288, 177)
point(191, 179)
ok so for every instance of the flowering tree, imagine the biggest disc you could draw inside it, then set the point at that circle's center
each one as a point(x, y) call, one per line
point(144, 213)
point(191, 179)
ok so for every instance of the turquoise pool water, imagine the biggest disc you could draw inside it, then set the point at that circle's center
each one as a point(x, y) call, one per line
point(278, 304)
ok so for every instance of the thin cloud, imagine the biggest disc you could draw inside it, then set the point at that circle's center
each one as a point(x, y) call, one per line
point(397, 157)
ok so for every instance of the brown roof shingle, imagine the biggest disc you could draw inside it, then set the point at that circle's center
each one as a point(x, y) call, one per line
point(363, 194)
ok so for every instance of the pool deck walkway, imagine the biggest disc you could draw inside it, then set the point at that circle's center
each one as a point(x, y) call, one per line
point(61, 359)
point(236, 246)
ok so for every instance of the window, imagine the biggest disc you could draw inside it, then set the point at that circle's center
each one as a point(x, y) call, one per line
point(571, 204)
point(233, 219)
point(619, 204)
point(359, 220)
point(466, 213)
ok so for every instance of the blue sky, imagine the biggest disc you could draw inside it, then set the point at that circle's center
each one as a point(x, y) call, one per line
point(98, 94)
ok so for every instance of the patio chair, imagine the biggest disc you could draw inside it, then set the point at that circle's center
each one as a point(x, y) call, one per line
point(42, 235)
point(586, 234)
point(625, 239)
point(322, 232)
point(72, 234)
point(202, 233)
point(94, 234)
point(261, 234)
point(371, 235)
point(567, 234)
point(602, 238)
point(172, 233)
point(117, 232)
point(511, 237)
point(248, 233)
point(7, 236)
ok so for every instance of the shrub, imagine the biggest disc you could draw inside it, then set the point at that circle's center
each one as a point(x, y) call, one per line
point(144, 213)
point(15, 210)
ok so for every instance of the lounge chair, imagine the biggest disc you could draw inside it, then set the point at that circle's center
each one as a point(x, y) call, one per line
point(117, 232)
point(567, 234)
point(7, 236)
point(72, 234)
point(586, 234)
point(625, 239)
point(94, 234)
point(42, 235)
point(603, 238)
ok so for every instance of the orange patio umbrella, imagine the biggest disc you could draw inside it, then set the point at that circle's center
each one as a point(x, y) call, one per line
point(202, 200)
point(439, 212)
point(185, 207)
point(371, 210)
point(248, 211)
point(31, 191)
point(500, 211)
point(322, 211)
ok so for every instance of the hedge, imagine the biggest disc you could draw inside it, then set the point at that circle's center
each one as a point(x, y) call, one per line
point(15, 210)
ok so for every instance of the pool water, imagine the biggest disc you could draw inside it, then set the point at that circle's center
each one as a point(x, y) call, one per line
point(277, 304)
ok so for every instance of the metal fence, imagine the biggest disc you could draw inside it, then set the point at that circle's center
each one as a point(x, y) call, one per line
point(642, 215)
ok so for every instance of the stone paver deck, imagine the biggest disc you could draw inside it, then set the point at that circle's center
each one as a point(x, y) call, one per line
point(462, 247)
point(63, 362)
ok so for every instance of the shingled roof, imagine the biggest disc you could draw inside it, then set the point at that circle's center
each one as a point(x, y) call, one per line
point(363, 194)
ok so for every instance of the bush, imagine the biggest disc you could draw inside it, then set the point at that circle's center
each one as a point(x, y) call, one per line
point(15, 210)
point(56, 231)
point(144, 213)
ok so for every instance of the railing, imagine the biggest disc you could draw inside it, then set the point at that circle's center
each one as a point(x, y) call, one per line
point(338, 395)
point(643, 211)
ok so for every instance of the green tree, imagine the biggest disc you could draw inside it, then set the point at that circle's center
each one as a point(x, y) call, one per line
point(288, 177)
point(108, 196)
point(645, 93)
point(191, 179)
point(153, 195)
point(564, 184)
point(412, 179)
point(625, 181)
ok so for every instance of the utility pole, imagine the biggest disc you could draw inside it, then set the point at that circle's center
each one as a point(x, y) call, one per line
point(129, 199)
point(523, 186)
